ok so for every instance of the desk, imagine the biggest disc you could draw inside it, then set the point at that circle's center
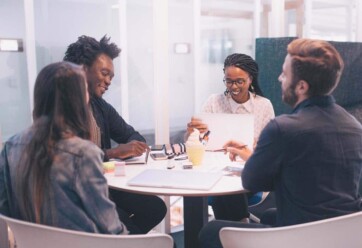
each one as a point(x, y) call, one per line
point(195, 201)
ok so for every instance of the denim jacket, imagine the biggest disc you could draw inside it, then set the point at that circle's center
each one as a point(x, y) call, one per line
point(78, 191)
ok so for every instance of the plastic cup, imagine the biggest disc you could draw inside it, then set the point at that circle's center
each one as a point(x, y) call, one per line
point(195, 154)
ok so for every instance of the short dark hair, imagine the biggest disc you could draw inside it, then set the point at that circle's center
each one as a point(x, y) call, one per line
point(87, 49)
point(248, 64)
point(318, 63)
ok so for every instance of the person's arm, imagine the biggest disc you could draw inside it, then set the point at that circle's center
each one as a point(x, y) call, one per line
point(237, 149)
point(120, 131)
point(131, 143)
point(92, 189)
point(263, 165)
point(4, 201)
point(196, 122)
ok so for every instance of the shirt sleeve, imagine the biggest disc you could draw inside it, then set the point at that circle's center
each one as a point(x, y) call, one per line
point(4, 201)
point(120, 131)
point(207, 106)
point(263, 166)
point(92, 188)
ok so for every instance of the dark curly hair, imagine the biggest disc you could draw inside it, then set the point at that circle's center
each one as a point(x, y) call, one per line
point(248, 64)
point(86, 50)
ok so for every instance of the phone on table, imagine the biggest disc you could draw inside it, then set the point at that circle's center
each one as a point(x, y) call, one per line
point(159, 156)
point(157, 147)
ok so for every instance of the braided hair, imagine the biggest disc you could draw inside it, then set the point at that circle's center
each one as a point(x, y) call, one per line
point(86, 50)
point(248, 64)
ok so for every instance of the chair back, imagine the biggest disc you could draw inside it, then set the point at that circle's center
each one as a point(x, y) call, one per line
point(338, 232)
point(30, 235)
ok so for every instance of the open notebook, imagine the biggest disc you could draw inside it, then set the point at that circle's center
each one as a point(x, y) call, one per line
point(143, 159)
point(179, 179)
point(225, 127)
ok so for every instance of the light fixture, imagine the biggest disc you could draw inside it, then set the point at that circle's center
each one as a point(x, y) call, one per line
point(11, 45)
point(182, 48)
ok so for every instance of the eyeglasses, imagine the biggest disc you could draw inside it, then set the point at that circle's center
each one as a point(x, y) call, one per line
point(239, 82)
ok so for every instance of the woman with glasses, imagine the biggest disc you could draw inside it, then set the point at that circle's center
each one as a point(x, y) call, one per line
point(242, 96)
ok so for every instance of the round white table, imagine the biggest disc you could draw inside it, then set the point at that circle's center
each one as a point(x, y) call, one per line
point(195, 201)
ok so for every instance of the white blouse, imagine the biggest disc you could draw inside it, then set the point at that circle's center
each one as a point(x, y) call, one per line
point(259, 106)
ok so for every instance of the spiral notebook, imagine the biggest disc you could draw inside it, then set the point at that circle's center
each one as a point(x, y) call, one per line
point(178, 179)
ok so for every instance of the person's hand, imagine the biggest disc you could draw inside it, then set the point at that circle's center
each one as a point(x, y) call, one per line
point(237, 149)
point(131, 149)
point(198, 124)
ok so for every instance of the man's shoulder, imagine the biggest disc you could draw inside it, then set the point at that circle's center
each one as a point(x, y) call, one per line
point(100, 102)
point(99, 105)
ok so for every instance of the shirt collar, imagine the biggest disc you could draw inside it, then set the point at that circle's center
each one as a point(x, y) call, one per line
point(322, 101)
point(248, 105)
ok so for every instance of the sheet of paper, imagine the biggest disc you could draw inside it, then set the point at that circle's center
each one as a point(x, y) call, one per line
point(138, 160)
point(225, 127)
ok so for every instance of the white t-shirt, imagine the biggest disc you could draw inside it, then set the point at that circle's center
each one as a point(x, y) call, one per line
point(259, 106)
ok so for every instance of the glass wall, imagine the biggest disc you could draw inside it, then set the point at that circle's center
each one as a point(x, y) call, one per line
point(198, 45)
point(14, 94)
point(226, 27)
point(59, 23)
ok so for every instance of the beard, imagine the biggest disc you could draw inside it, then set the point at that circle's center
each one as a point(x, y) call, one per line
point(289, 96)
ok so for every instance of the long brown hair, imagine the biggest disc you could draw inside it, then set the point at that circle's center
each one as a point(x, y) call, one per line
point(60, 107)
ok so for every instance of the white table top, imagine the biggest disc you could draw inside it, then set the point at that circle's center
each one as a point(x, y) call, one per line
point(213, 161)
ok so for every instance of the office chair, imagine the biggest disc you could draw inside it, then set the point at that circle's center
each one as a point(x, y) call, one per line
point(337, 232)
point(31, 235)
point(257, 209)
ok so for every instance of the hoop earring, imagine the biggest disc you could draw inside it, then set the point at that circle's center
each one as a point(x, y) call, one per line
point(226, 92)
point(252, 88)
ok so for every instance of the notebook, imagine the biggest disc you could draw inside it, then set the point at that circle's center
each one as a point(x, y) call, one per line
point(225, 127)
point(143, 159)
point(178, 179)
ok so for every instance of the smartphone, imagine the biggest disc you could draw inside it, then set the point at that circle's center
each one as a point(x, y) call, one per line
point(159, 156)
point(157, 147)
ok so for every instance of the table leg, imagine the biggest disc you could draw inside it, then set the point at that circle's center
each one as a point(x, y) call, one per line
point(195, 217)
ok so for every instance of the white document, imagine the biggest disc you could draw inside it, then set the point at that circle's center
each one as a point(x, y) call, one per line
point(178, 179)
point(225, 127)
point(143, 159)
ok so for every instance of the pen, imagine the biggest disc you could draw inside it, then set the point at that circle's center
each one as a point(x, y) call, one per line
point(205, 139)
point(224, 149)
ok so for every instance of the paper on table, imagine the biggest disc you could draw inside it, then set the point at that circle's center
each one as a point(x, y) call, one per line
point(178, 179)
point(138, 160)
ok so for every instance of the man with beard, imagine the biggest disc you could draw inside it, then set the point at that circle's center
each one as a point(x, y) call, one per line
point(312, 157)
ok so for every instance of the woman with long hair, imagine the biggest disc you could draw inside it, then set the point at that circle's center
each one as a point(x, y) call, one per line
point(50, 173)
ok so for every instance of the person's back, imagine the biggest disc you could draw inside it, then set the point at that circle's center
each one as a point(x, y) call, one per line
point(50, 174)
point(322, 157)
point(311, 158)
point(314, 154)
point(75, 175)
